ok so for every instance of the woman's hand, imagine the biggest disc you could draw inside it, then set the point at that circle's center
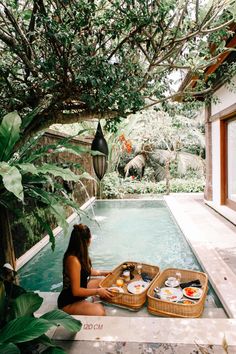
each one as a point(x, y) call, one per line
point(105, 293)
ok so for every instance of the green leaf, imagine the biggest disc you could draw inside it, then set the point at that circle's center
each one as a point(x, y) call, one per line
point(28, 168)
point(41, 195)
point(24, 329)
point(75, 149)
point(54, 205)
point(9, 348)
point(2, 299)
point(86, 175)
point(57, 171)
point(9, 134)
point(26, 14)
point(54, 350)
point(59, 317)
point(26, 304)
point(13, 290)
point(45, 340)
point(59, 212)
point(48, 229)
point(12, 180)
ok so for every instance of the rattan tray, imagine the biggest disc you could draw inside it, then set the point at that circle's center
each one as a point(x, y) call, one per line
point(131, 301)
point(171, 309)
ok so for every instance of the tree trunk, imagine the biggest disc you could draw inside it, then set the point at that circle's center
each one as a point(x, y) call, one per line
point(167, 172)
point(7, 253)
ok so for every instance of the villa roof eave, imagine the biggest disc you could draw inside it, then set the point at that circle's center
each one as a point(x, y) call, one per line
point(190, 80)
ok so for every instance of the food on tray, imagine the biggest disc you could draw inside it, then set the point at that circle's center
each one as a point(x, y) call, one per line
point(170, 294)
point(120, 282)
point(186, 302)
point(137, 287)
point(192, 292)
point(115, 289)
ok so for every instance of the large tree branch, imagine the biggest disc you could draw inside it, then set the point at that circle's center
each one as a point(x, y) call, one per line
point(26, 44)
point(125, 39)
point(178, 95)
point(210, 30)
point(45, 120)
point(12, 43)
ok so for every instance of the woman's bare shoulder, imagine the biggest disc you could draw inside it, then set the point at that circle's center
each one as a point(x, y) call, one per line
point(72, 260)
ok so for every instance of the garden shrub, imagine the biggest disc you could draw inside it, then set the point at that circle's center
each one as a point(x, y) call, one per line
point(116, 187)
point(111, 186)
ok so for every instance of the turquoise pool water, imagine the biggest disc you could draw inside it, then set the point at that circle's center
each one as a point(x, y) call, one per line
point(134, 230)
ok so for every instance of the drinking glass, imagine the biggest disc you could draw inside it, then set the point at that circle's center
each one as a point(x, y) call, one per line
point(178, 276)
point(120, 282)
point(139, 268)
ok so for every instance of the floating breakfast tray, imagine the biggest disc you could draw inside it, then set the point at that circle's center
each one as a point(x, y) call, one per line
point(126, 299)
point(166, 308)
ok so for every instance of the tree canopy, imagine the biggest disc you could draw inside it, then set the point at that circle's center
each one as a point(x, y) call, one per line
point(67, 60)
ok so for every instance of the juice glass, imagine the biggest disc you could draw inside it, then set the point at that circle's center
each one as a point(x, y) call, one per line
point(120, 282)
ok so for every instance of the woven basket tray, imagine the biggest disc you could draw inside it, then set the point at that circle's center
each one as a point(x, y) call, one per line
point(131, 301)
point(166, 308)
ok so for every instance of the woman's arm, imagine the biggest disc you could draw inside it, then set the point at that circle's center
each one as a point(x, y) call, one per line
point(73, 268)
point(95, 272)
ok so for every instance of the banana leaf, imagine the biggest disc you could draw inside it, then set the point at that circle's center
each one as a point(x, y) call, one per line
point(12, 180)
point(25, 304)
point(57, 171)
point(28, 168)
point(48, 229)
point(24, 329)
point(58, 317)
point(51, 347)
point(9, 134)
point(55, 350)
point(9, 348)
point(45, 340)
point(33, 155)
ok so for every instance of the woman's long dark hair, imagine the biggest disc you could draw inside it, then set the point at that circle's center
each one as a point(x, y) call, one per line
point(78, 246)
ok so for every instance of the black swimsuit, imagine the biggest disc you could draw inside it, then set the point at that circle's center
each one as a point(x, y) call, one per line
point(66, 297)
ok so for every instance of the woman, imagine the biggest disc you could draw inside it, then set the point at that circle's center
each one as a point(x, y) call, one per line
point(77, 269)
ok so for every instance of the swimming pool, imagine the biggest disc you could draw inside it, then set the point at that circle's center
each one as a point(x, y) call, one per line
point(133, 230)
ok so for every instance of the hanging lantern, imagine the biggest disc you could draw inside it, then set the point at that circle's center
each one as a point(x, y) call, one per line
point(100, 161)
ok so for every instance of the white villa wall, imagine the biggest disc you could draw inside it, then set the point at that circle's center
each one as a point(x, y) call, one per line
point(225, 96)
point(216, 162)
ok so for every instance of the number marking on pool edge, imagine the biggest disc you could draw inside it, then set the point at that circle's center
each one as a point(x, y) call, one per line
point(92, 326)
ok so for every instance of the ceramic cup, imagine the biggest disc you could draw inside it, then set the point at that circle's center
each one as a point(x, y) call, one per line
point(171, 280)
point(126, 275)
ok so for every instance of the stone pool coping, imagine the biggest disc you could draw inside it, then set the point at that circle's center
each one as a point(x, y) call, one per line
point(207, 233)
point(152, 330)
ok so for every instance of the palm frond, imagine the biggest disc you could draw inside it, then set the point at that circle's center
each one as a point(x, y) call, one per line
point(9, 134)
point(138, 162)
point(187, 161)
